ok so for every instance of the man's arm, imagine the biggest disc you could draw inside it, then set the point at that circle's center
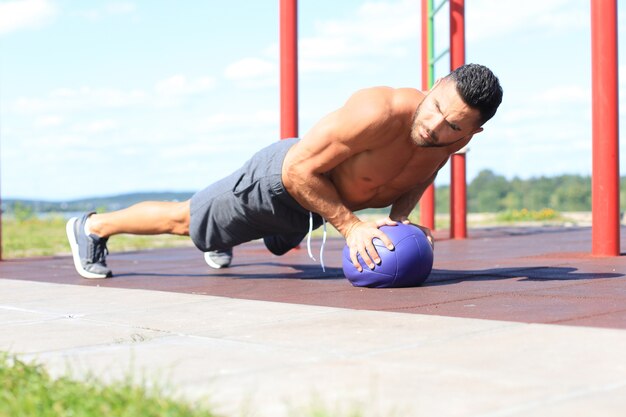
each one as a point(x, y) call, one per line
point(342, 134)
point(402, 207)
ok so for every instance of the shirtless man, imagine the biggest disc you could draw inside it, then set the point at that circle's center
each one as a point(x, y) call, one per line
point(382, 148)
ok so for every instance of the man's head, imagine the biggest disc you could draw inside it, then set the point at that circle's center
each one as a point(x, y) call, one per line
point(479, 88)
point(457, 106)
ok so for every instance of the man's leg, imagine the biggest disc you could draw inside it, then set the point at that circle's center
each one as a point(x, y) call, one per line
point(88, 234)
point(146, 218)
point(153, 218)
point(281, 244)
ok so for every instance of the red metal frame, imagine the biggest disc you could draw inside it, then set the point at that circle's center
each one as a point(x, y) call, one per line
point(427, 201)
point(458, 186)
point(288, 69)
point(0, 229)
point(605, 178)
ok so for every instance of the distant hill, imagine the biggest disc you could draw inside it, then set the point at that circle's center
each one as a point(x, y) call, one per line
point(488, 192)
point(107, 203)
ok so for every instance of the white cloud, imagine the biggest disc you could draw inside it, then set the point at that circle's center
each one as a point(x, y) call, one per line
point(120, 7)
point(377, 29)
point(85, 98)
point(489, 19)
point(108, 9)
point(79, 99)
point(96, 127)
point(181, 85)
point(49, 121)
point(225, 121)
point(25, 14)
point(565, 94)
point(248, 68)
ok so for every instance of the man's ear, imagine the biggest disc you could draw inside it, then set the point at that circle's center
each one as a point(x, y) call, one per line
point(478, 130)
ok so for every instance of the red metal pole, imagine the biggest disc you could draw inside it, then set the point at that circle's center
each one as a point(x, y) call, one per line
point(0, 230)
point(427, 202)
point(0, 223)
point(458, 187)
point(288, 68)
point(605, 177)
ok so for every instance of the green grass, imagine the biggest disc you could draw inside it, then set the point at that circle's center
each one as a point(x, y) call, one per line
point(28, 236)
point(525, 215)
point(27, 390)
point(45, 237)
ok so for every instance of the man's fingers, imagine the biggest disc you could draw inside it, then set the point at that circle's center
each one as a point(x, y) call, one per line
point(385, 239)
point(365, 254)
point(372, 255)
point(386, 222)
point(429, 235)
point(354, 259)
point(389, 222)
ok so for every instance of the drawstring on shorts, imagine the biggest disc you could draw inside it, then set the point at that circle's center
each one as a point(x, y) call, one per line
point(308, 241)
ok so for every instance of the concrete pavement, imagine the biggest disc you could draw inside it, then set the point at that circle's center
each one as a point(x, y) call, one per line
point(263, 358)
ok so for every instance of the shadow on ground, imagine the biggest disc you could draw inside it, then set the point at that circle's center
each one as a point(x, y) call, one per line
point(273, 270)
point(537, 273)
point(261, 270)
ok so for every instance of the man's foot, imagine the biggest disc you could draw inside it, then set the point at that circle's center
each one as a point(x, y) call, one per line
point(218, 258)
point(281, 244)
point(89, 251)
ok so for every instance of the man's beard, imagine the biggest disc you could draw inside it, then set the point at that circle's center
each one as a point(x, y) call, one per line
point(418, 127)
point(432, 141)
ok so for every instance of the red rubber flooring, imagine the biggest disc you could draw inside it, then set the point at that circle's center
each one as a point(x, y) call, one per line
point(533, 275)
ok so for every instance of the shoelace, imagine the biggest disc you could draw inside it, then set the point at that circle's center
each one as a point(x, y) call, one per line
point(100, 252)
point(308, 241)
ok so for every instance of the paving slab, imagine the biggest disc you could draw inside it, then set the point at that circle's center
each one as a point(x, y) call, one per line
point(277, 359)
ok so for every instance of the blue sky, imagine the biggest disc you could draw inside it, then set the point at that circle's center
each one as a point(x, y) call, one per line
point(107, 97)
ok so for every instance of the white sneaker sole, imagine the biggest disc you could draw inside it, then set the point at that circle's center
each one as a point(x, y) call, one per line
point(210, 262)
point(69, 229)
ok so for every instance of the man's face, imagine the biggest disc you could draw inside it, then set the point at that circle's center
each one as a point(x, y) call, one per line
point(443, 118)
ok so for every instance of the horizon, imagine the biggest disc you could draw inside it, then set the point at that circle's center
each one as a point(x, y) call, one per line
point(156, 191)
point(147, 95)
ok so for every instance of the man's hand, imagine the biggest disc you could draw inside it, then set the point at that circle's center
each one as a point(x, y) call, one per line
point(426, 230)
point(359, 240)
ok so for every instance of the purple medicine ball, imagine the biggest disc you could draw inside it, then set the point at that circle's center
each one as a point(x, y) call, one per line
point(407, 265)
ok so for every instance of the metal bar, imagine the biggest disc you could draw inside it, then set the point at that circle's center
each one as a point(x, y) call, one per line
point(431, 45)
point(605, 129)
point(1, 257)
point(288, 68)
point(427, 201)
point(425, 53)
point(441, 55)
point(458, 185)
point(434, 12)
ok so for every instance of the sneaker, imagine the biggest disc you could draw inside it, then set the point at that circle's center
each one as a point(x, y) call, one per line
point(89, 251)
point(219, 258)
point(281, 244)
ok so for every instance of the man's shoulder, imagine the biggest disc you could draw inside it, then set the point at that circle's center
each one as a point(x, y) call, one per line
point(407, 96)
point(389, 93)
point(387, 99)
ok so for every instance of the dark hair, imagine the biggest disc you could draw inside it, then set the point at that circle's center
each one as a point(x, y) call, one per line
point(479, 88)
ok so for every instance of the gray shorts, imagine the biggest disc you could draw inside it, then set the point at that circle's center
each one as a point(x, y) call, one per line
point(249, 204)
